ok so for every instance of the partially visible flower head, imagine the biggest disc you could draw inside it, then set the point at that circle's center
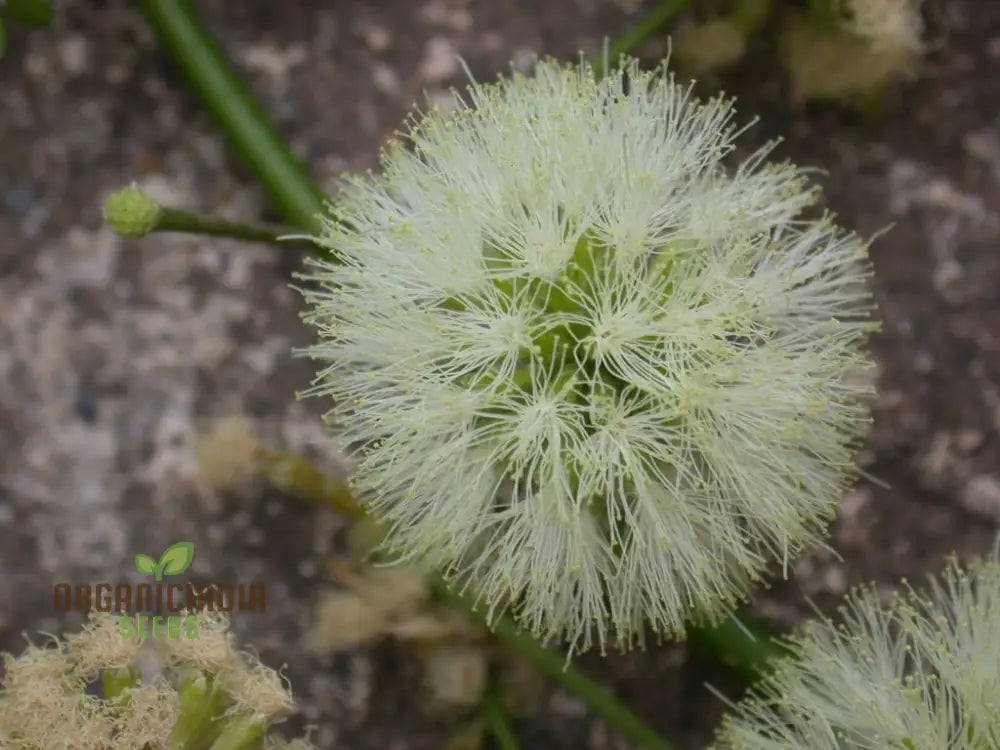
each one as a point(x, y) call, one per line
point(207, 694)
point(595, 377)
point(921, 674)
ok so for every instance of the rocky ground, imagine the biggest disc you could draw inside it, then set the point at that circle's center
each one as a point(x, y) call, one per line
point(115, 355)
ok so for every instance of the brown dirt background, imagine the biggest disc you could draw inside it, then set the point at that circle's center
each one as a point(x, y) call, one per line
point(113, 355)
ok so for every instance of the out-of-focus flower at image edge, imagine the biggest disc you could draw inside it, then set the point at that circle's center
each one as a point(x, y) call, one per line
point(920, 674)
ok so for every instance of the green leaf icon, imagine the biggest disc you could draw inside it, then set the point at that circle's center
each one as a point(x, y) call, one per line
point(145, 565)
point(176, 558)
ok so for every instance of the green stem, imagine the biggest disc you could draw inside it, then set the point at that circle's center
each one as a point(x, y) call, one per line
point(282, 175)
point(497, 723)
point(635, 36)
point(554, 665)
point(28, 12)
point(131, 213)
point(739, 645)
point(294, 473)
point(176, 220)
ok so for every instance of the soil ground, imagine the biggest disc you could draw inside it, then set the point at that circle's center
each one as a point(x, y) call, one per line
point(113, 355)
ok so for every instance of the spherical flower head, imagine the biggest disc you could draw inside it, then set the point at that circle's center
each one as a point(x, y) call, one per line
point(920, 674)
point(593, 376)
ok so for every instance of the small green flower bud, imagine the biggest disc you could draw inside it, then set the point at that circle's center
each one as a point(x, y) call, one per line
point(132, 213)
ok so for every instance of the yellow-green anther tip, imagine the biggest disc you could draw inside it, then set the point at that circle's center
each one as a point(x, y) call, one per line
point(132, 213)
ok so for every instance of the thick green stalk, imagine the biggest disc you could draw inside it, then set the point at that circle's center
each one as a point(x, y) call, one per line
point(282, 175)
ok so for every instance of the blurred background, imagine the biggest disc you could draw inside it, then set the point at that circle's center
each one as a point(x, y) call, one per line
point(117, 356)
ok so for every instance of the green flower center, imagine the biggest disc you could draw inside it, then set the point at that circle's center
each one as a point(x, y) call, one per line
point(564, 344)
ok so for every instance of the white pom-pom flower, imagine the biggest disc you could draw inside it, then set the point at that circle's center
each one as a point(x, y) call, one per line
point(595, 377)
point(921, 674)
